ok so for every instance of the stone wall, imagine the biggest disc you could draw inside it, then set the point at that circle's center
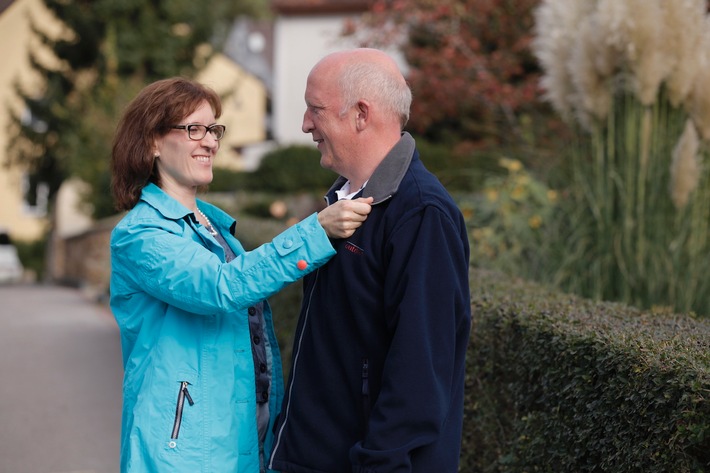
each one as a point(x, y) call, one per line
point(86, 260)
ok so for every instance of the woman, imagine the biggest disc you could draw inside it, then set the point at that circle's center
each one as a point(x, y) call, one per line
point(202, 373)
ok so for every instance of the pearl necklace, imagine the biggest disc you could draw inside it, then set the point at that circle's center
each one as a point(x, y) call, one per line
point(209, 226)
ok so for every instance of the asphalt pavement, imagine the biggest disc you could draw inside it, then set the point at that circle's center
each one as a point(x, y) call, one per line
point(60, 382)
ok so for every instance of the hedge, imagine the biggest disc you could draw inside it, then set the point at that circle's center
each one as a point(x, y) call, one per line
point(557, 383)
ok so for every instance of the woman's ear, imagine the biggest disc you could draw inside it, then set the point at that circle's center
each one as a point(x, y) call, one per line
point(156, 148)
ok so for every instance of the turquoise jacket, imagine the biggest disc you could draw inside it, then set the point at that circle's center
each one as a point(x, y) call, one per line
point(189, 402)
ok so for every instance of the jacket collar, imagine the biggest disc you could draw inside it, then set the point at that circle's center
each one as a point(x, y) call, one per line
point(385, 181)
point(163, 203)
point(173, 210)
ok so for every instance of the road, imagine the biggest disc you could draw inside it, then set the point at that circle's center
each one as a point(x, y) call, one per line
point(60, 382)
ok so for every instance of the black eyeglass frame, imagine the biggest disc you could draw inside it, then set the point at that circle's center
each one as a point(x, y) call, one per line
point(191, 127)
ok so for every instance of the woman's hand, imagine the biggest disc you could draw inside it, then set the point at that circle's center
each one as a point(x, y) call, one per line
point(341, 219)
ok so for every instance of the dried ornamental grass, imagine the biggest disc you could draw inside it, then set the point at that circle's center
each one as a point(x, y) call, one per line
point(593, 83)
point(556, 27)
point(590, 48)
point(698, 101)
point(632, 73)
point(685, 171)
point(681, 45)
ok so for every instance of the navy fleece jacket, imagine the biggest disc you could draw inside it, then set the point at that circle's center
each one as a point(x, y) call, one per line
point(377, 374)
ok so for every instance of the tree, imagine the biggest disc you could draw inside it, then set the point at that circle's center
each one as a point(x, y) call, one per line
point(471, 69)
point(108, 51)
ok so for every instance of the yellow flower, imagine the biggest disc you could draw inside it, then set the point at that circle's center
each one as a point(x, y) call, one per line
point(512, 165)
point(518, 193)
point(523, 180)
point(492, 195)
point(535, 221)
point(552, 196)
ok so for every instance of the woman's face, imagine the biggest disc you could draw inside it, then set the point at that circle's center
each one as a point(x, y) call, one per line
point(184, 164)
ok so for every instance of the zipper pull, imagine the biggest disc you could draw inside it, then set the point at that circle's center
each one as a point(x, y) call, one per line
point(187, 393)
point(365, 376)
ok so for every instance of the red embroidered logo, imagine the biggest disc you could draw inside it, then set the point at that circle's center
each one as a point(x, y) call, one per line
point(352, 248)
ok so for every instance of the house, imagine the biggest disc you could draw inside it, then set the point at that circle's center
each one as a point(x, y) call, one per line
point(304, 32)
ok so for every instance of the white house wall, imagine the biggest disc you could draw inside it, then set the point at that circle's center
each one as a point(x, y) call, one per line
point(299, 42)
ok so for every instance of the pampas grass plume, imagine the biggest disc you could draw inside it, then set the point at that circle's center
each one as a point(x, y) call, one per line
point(556, 31)
point(681, 45)
point(684, 166)
point(697, 104)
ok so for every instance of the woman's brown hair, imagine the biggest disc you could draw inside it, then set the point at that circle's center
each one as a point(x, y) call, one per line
point(150, 115)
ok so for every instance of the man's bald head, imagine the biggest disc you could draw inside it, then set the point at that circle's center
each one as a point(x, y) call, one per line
point(368, 74)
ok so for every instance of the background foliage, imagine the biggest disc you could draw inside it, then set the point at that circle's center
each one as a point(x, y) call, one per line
point(473, 76)
point(109, 49)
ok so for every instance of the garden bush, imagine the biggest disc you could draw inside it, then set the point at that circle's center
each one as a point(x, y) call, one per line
point(560, 383)
point(290, 169)
point(228, 180)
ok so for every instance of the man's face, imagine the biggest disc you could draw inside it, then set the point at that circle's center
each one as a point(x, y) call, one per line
point(333, 131)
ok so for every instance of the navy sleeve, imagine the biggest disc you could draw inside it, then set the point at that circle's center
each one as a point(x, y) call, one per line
point(428, 314)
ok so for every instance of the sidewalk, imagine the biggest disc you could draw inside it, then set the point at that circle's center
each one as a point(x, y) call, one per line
point(60, 395)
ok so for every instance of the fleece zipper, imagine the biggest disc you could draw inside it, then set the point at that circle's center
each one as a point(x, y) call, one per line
point(285, 411)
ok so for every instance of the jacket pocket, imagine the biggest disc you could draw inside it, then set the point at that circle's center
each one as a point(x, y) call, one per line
point(366, 390)
point(183, 395)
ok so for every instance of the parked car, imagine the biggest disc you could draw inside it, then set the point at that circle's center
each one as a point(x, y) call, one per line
point(11, 269)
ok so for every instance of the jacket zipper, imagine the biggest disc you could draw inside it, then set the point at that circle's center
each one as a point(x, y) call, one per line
point(182, 395)
point(366, 390)
point(297, 348)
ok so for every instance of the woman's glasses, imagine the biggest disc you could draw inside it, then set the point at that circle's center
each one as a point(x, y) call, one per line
point(197, 132)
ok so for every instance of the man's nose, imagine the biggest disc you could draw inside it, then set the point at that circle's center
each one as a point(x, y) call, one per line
point(307, 125)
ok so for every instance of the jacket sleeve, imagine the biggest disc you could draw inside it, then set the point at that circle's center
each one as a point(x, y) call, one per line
point(428, 315)
point(152, 257)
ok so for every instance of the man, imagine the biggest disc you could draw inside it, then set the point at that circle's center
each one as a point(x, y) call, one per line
point(377, 375)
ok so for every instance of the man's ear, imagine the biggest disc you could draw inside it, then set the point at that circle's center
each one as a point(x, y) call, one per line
point(362, 119)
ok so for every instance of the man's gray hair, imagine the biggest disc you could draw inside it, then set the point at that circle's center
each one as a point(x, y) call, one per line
point(365, 80)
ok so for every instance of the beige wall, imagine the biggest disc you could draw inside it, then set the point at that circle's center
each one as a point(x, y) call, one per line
point(244, 115)
point(243, 108)
point(15, 38)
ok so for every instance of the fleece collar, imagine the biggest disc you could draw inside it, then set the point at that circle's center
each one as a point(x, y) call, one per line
point(385, 181)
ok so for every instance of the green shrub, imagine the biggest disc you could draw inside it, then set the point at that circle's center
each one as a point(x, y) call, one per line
point(564, 384)
point(291, 169)
point(460, 168)
point(512, 222)
point(227, 180)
